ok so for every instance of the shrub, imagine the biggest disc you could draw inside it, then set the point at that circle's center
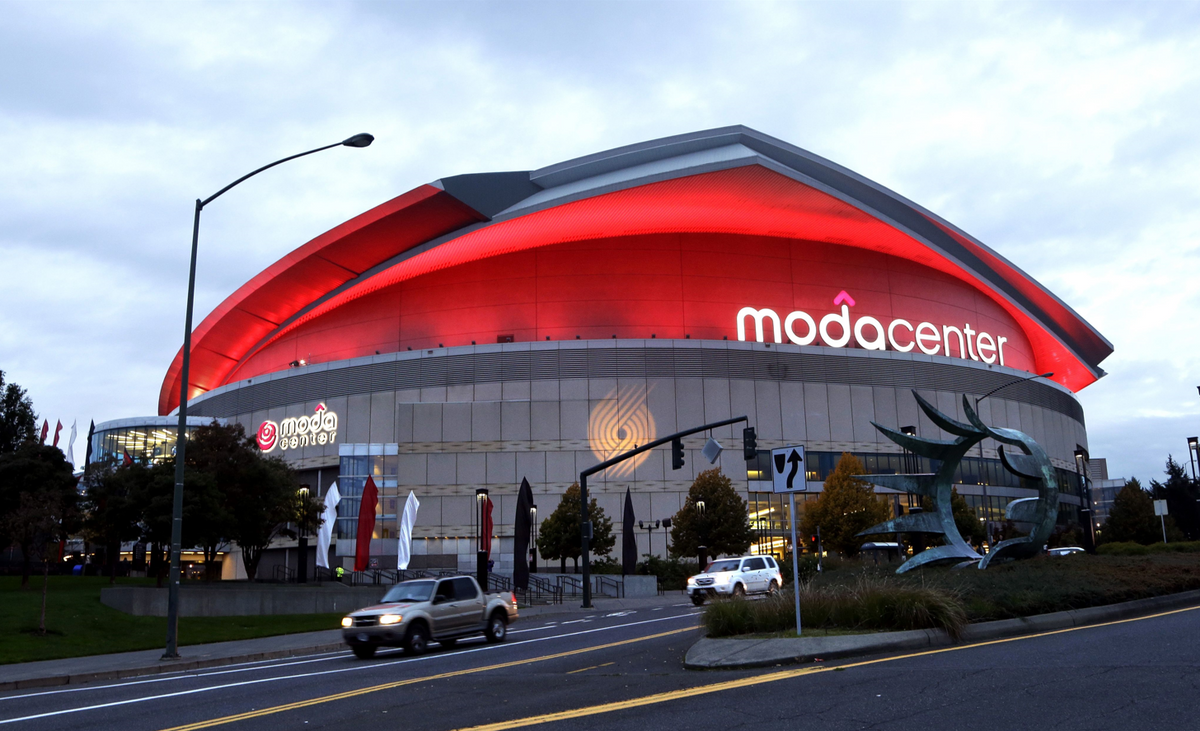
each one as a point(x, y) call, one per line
point(869, 604)
point(672, 573)
point(1124, 548)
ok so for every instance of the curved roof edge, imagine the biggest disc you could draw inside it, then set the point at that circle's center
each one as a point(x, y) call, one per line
point(341, 264)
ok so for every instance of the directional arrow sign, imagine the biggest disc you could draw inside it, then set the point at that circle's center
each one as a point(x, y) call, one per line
point(787, 470)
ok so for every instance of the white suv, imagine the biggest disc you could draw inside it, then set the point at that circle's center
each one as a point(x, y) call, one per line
point(736, 577)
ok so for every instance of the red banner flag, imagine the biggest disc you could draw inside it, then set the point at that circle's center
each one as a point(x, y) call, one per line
point(57, 431)
point(127, 460)
point(486, 538)
point(45, 430)
point(366, 525)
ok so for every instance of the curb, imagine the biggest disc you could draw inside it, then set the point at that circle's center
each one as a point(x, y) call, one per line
point(163, 667)
point(733, 654)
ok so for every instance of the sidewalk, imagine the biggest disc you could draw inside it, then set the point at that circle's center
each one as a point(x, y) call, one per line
point(194, 657)
point(732, 654)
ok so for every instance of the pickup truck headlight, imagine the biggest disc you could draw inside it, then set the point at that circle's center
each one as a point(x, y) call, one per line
point(347, 622)
point(691, 581)
point(390, 619)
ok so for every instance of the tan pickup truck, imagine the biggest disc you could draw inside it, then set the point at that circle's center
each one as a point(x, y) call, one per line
point(443, 610)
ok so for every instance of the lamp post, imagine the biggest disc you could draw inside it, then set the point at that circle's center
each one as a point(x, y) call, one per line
point(1193, 453)
point(666, 526)
point(172, 651)
point(702, 549)
point(987, 508)
point(533, 536)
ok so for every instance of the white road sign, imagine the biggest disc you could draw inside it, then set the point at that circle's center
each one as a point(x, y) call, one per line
point(1160, 507)
point(787, 470)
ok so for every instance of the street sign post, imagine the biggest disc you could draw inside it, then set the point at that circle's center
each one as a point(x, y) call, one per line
point(788, 476)
point(1160, 509)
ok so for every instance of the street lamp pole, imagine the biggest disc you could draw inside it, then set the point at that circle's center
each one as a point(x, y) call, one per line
point(1193, 452)
point(172, 651)
point(987, 508)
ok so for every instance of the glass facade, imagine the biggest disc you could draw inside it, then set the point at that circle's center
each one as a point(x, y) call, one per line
point(148, 440)
point(357, 463)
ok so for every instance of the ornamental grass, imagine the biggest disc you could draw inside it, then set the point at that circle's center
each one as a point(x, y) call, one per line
point(868, 604)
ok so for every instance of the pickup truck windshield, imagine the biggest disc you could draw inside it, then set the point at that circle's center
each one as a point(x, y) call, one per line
point(409, 591)
point(718, 566)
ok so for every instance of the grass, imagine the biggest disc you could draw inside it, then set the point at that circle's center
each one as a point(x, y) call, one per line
point(78, 624)
point(862, 596)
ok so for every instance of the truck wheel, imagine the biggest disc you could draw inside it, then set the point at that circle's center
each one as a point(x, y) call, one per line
point(738, 591)
point(698, 598)
point(497, 628)
point(363, 652)
point(774, 587)
point(417, 640)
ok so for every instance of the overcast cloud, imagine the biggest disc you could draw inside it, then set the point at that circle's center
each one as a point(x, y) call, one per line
point(1064, 136)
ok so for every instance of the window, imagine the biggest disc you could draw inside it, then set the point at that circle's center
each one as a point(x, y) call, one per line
point(464, 588)
point(755, 564)
point(446, 589)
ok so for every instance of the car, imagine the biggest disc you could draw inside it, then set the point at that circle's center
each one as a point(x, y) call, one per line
point(735, 577)
point(414, 613)
point(1064, 551)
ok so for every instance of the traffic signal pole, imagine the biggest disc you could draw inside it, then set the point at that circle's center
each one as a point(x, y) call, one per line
point(585, 531)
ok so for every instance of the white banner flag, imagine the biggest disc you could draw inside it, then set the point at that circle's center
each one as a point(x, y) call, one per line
point(71, 445)
point(325, 532)
point(404, 553)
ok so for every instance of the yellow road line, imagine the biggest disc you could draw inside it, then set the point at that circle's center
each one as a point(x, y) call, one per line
point(769, 678)
point(411, 681)
point(580, 670)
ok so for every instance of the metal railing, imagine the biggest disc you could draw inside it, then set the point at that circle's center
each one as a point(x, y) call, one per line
point(608, 586)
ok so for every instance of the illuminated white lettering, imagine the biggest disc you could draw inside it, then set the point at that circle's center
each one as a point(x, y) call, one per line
point(812, 328)
point(759, 316)
point(987, 348)
point(970, 345)
point(842, 320)
point(299, 431)
point(878, 342)
point(1000, 346)
point(946, 330)
point(892, 335)
point(927, 333)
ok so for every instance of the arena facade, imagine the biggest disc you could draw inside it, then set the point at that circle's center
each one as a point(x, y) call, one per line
point(490, 327)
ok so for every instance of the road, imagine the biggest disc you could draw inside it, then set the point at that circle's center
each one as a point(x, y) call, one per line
point(624, 670)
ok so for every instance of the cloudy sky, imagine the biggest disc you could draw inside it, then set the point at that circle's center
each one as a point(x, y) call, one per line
point(1065, 136)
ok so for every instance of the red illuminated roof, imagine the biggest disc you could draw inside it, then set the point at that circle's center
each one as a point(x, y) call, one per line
point(731, 180)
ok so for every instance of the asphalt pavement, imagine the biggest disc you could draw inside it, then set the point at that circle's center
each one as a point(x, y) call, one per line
point(624, 669)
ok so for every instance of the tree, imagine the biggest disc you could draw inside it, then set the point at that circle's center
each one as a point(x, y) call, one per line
point(18, 422)
point(723, 527)
point(39, 498)
point(112, 513)
point(845, 507)
point(1131, 517)
point(965, 519)
point(559, 536)
point(1183, 498)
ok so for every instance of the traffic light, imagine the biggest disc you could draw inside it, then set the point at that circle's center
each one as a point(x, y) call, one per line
point(749, 443)
point(676, 454)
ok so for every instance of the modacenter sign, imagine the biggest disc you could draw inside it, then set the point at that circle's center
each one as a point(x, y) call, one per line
point(837, 328)
point(299, 431)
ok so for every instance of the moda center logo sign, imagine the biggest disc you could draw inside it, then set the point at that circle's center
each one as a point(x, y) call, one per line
point(298, 431)
point(836, 328)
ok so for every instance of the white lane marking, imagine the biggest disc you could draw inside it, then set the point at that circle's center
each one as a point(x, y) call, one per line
point(658, 609)
point(372, 666)
point(625, 613)
point(226, 670)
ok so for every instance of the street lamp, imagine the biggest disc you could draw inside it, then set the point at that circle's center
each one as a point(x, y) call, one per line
point(481, 568)
point(987, 508)
point(702, 549)
point(172, 651)
point(1193, 453)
